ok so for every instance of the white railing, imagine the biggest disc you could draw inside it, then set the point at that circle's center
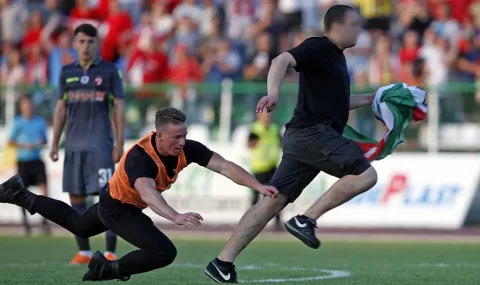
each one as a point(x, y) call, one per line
point(226, 110)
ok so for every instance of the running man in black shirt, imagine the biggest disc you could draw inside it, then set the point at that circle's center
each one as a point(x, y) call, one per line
point(313, 140)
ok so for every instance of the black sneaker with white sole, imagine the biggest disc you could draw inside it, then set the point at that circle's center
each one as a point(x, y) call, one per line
point(12, 191)
point(303, 228)
point(102, 269)
point(221, 274)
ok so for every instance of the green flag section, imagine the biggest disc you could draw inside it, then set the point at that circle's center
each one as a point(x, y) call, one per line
point(396, 105)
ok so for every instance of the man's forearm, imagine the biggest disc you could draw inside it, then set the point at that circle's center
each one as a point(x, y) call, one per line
point(360, 100)
point(157, 203)
point(58, 123)
point(119, 120)
point(239, 175)
point(275, 75)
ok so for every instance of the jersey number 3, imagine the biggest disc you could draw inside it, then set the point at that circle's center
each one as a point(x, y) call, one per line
point(104, 175)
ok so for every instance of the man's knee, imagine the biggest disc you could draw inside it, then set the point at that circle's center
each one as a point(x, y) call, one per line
point(170, 255)
point(369, 178)
point(274, 205)
point(164, 256)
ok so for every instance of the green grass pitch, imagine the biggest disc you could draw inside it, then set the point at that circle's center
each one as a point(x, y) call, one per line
point(44, 261)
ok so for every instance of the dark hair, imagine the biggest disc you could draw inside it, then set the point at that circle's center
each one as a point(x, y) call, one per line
point(87, 29)
point(418, 66)
point(25, 98)
point(169, 115)
point(335, 14)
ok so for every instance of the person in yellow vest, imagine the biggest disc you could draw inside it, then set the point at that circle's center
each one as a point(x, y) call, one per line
point(265, 143)
point(377, 14)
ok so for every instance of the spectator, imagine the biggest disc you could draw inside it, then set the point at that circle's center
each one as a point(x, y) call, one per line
point(117, 29)
point(187, 34)
point(364, 122)
point(256, 69)
point(357, 56)
point(55, 21)
point(188, 9)
point(34, 30)
point(37, 67)
point(184, 67)
point(13, 73)
point(383, 65)
point(263, 19)
point(61, 54)
point(7, 47)
point(184, 70)
point(259, 63)
point(83, 13)
point(221, 63)
point(12, 76)
point(163, 23)
point(408, 54)
point(444, 26)
point(13, 15)
point(434, 54)
point(208, 15)
point(420, 73)
point(469, 72)
point(421, 18)
point(409, 51)
point(239, 16)
point(291, 15)
point(474, 11)
point(377, 14)
point(148, 65)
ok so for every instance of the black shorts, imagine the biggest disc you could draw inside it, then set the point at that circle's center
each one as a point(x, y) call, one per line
point(265, 177)
point(307, 151)
point(32, 172)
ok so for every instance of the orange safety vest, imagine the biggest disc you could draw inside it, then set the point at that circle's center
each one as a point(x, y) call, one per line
point(119, 184)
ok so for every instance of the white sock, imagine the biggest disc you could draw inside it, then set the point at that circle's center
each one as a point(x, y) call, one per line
point(86, 253)
point(109, 252)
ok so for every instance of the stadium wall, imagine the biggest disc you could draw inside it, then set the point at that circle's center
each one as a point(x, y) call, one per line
point(413, 191)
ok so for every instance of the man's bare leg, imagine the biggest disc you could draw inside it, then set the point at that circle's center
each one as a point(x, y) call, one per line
point(303, 226)
point(342, 191)
point(251, 224)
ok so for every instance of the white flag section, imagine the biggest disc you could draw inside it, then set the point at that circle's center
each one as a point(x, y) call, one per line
point(413, 191)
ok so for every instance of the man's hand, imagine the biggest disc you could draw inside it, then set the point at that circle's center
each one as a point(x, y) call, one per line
point(267, 190)
point(267, 102)
point(189, 219)
point(54, 153)
point(117, 153)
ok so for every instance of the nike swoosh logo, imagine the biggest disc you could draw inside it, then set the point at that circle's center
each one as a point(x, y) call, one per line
point(225, 277)
point(300, 225)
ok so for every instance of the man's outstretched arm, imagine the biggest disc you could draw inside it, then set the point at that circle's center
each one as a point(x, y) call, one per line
point(239, 175)
point(155, 201)
point(360, 100)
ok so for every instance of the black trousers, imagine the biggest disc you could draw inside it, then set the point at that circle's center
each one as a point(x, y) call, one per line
point(156, 250)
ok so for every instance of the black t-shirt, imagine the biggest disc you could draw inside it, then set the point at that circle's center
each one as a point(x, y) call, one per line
point(139, 164)
point(324, 84)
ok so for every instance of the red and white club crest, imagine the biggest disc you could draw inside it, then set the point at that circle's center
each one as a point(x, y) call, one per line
point(98, 80)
